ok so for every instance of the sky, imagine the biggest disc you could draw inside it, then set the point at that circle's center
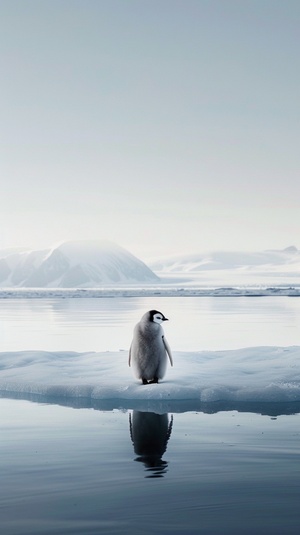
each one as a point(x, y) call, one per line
point(166, 126)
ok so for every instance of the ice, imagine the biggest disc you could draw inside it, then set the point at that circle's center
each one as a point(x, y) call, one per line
point(168, 290)
point(256, 374)
point(94, 264)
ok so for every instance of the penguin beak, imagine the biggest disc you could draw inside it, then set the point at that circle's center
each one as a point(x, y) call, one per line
point(166, 319)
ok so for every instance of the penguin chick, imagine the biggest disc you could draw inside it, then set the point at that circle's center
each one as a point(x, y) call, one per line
point(149, 348)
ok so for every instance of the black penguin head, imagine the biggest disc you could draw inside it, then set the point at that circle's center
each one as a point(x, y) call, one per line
point(157, 317)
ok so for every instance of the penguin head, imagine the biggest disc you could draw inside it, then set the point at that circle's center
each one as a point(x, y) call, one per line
point(157, 317)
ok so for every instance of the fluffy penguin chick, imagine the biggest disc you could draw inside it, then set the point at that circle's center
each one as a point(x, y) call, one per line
point(149, 348)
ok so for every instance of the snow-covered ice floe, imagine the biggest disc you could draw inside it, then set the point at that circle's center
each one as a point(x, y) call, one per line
point(209, 380)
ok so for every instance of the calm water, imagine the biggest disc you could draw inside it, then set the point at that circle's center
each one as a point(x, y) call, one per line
point(89, 472)
point(107, 324)
point(68, 471)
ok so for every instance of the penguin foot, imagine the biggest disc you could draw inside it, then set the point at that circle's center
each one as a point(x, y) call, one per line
point(154, 381)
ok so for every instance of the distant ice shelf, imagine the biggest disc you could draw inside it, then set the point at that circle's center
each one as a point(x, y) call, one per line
point(157, 291)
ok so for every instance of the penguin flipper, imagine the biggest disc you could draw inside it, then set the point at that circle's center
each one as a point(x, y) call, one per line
point(129, 357)
point(168, 350)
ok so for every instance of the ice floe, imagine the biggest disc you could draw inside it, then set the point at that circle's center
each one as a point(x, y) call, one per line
point(248, 375)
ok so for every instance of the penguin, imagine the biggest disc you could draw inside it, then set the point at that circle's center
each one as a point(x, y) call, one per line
point(149, 348)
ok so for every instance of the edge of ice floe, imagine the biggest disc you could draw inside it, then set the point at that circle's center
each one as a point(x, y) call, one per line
point(207, 381)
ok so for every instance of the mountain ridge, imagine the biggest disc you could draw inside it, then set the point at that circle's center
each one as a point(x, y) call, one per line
point(92, 263)
point(225, 260)
point(96, 264)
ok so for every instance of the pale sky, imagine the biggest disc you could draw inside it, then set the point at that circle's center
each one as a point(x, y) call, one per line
point(166, 126)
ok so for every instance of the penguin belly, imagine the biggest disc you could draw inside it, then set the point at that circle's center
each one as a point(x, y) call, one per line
point(148, 354)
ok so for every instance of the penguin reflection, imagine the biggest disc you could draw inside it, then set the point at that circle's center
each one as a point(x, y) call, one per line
point(150, 433)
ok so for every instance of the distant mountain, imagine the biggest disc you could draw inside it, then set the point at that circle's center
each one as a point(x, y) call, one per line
point(83, 264)
point(225, 260)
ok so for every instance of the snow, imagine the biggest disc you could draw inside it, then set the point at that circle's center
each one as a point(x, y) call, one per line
point(223, 260)
point(225, 268)
point(76, 263)
point(255, 375)
point(97, 264)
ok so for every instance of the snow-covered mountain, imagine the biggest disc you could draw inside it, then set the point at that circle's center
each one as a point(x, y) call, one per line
point(83, 264)
point(231, 269)
point(288, 259)
point(93, 264)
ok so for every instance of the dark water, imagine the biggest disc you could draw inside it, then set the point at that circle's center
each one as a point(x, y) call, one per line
point(83, 471)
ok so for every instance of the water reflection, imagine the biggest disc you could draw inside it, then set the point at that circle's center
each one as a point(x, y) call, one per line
point(266, 408)
point(150, 433)
point(105, 324)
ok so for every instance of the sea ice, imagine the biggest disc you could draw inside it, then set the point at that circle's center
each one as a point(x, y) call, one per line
point(256, 374)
